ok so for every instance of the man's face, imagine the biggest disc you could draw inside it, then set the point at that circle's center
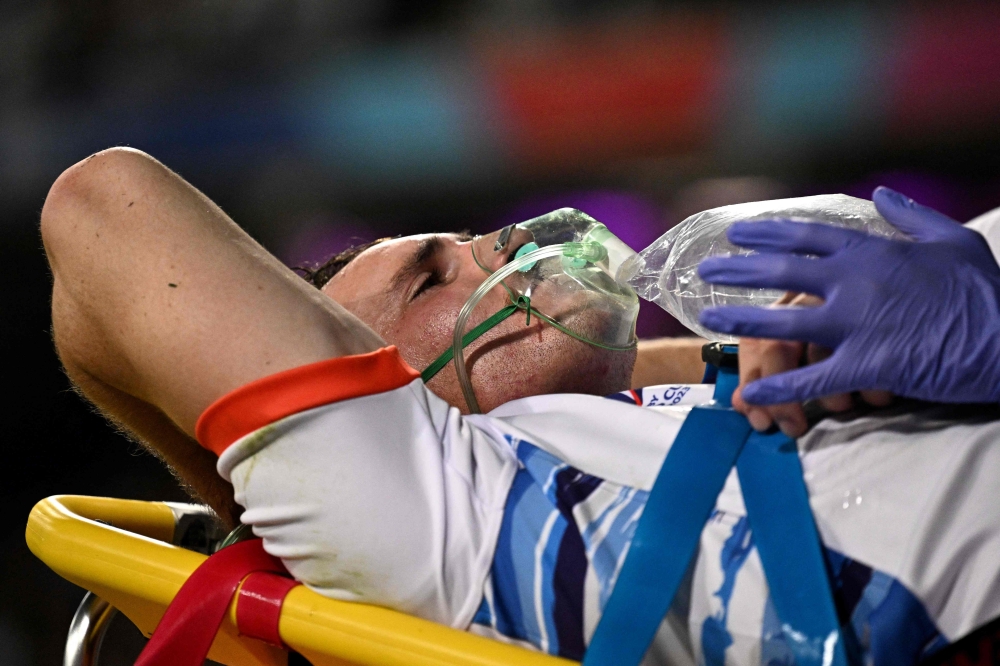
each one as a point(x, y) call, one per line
point(410, 290)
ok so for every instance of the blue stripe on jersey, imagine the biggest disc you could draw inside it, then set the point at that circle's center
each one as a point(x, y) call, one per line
point(541, 561)
point(888, 621)
point(715, 637)
point(572, 488)
point(882, 620)
point(560, 524)
point(529, 518)
point(549, 538)
point(607, 538)
point(545, 584)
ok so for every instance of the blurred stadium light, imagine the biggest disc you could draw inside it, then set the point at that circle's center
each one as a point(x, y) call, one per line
point(802, 79)
point(767, 83)
point(576, 98)
point(408, 114)
point(943, 77)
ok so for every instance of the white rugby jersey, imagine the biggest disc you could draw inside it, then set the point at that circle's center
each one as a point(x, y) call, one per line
point(515, 524)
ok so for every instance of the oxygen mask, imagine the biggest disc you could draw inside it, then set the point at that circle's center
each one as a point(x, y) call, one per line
point(559, 268)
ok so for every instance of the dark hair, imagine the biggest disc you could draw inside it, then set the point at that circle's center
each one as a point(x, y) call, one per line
point(318, 276)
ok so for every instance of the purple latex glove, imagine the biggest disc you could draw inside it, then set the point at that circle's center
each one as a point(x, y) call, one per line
point(919, 319)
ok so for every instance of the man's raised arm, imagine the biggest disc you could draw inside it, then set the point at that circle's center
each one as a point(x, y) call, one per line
point(161, 304)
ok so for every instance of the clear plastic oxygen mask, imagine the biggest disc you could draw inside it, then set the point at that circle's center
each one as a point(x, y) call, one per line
point(558, 268)
point(666, 272)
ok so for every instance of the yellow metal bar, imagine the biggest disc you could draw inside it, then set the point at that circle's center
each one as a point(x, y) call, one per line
point(152, 519)
point(317, 626)
point(124, 562)
point(137, 574)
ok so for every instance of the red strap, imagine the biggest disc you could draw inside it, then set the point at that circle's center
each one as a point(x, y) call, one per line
point(259, 607)
point(184, 635)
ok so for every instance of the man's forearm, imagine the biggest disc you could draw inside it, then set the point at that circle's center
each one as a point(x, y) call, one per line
point(158, 294)
point(668, 361)
point(161, 305)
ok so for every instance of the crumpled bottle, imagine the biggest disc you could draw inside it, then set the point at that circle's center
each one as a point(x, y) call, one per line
point(666, 272)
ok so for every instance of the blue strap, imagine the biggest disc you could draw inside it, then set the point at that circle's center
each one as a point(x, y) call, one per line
point(789, 547)
point(709, 444)
point(680, 502)
point(726, 382)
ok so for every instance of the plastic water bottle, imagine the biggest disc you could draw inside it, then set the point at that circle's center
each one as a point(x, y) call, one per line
point(666, 272)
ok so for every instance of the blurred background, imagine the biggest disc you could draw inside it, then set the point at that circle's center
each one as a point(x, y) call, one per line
point(317, 124)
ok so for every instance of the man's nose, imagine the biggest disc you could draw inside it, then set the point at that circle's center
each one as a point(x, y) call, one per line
point(495, 249)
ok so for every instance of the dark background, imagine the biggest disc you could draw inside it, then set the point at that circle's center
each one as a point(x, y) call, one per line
point(318, 123)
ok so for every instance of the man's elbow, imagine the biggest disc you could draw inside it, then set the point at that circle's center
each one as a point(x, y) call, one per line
point(84, 197)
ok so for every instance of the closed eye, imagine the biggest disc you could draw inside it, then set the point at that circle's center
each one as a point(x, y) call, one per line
point(426, 282)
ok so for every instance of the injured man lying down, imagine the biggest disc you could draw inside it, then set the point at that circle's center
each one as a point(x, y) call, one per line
point(298, 407)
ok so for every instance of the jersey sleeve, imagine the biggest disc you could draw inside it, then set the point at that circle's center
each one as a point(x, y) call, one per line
point(367, 486)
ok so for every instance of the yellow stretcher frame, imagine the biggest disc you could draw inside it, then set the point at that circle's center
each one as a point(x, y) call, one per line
point(121, 551)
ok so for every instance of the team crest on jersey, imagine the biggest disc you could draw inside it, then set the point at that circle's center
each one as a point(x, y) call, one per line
point(666, 395)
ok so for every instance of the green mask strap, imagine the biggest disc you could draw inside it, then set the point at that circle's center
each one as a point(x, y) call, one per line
point(522, 303)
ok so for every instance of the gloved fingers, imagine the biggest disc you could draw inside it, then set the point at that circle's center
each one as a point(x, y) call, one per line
point(768, 271)
point(812, 381)
point(917, 221)
point(788, 236)
point(806, 324)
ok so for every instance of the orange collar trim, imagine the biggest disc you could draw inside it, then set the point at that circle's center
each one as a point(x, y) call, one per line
point(272, 398)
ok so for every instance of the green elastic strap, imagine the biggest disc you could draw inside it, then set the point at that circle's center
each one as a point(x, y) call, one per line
point(522, 303)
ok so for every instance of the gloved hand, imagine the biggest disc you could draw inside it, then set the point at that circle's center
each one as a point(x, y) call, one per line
point(763, 357)
point(919, 319)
